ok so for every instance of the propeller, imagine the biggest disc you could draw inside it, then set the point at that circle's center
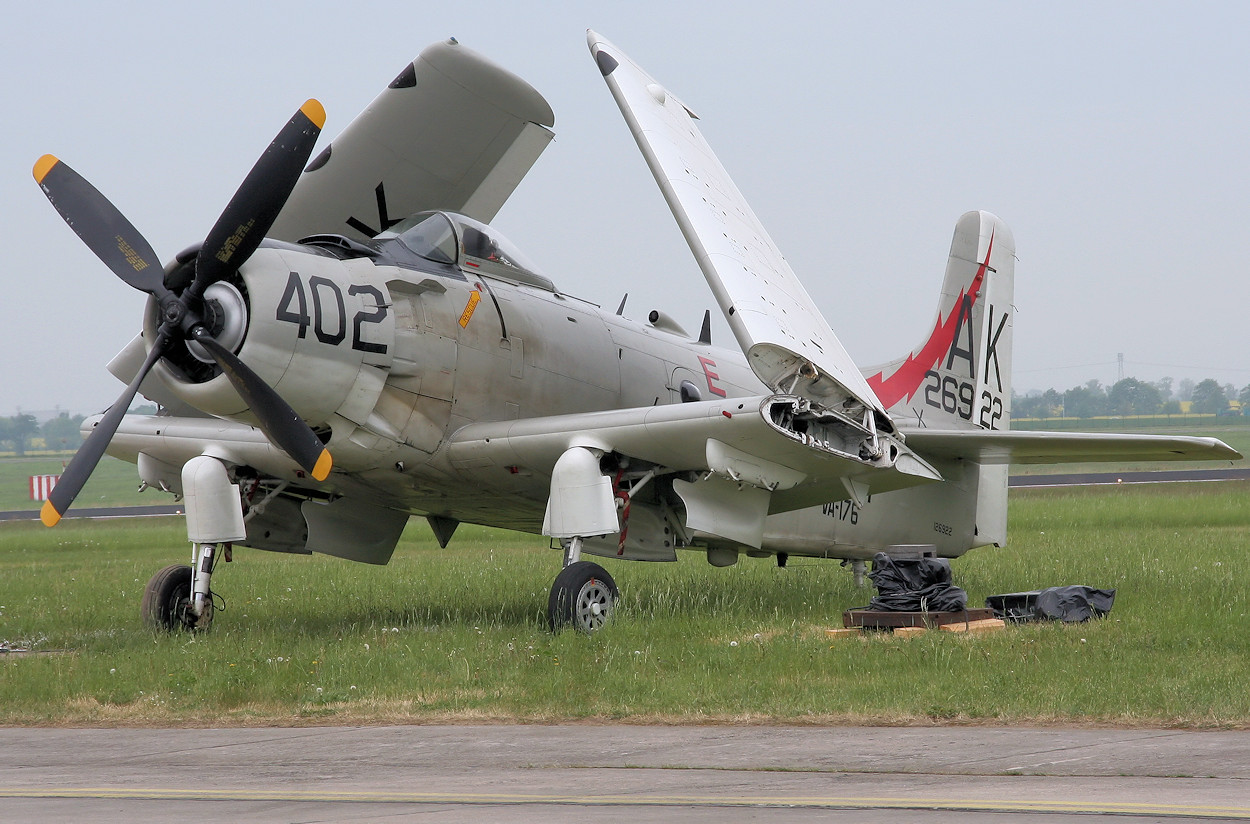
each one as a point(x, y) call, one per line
point(263, 193)
point(237, 233)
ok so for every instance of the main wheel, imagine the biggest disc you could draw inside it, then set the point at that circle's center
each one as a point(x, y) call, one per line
point(583, 597)
point(166, 597)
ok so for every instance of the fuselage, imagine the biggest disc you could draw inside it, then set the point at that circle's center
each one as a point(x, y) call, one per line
point(390, 352)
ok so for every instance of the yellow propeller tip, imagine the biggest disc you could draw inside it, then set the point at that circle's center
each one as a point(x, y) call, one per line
point(49, 515)
point(315, 112)
point(324, 463)
point(43, 166)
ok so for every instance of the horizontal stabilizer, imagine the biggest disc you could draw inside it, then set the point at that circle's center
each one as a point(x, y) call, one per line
point(1016, 447)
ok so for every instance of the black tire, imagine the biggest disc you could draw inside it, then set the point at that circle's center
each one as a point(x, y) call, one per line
point(166, 597)
point(583, 597)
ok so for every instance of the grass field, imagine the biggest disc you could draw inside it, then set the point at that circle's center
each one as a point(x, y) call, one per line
point(459, 635)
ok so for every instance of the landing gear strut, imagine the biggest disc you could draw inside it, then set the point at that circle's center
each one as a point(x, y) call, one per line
point(180, 597)
point(200, 610)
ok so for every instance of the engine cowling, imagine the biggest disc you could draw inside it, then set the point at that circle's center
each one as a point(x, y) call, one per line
point(319, 330)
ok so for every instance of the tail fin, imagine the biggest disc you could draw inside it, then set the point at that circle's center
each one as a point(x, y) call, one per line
point(960, 376)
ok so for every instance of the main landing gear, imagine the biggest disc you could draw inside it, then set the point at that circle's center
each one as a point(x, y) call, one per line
point(166, 597)
point(583, 595)
point(582, 504)
point(179, 597)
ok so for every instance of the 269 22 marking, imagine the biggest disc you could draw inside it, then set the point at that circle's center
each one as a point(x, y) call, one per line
point(958, 397)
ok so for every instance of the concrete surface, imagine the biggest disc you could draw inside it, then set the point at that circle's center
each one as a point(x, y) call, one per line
point(622, 773)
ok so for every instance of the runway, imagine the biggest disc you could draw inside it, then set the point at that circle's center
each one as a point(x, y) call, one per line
point(99, 512)
point(623, 773)
point(1163, 476)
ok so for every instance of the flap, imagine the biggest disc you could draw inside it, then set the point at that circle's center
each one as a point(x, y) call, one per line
point(352, 529)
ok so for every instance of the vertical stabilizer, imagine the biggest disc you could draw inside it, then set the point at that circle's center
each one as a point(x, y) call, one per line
point(959, 377)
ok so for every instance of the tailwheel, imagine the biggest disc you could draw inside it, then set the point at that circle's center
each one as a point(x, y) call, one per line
point(583, 596)
point(167, 597)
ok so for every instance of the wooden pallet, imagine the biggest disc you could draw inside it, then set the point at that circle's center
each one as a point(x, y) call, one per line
point(882, 619)
point(984, 625)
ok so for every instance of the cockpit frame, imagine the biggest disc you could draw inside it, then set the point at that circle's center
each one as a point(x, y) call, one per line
point(449, 238)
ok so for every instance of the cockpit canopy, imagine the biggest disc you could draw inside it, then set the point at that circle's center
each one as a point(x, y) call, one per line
point(450, 238)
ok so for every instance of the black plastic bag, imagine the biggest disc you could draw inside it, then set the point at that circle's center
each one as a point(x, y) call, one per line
point(1071, 604)
point(914, 585)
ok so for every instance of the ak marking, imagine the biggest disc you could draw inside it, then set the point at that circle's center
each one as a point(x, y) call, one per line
point(991, 348)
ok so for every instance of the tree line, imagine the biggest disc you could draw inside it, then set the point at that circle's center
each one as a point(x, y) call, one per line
point(22, 433)
point(1131, 396)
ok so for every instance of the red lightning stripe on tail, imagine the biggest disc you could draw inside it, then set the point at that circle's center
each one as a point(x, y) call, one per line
point(905, 382)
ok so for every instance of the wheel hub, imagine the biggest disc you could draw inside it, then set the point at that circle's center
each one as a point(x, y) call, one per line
point(593, 606)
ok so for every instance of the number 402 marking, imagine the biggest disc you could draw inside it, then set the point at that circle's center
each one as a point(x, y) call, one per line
point(329, 322)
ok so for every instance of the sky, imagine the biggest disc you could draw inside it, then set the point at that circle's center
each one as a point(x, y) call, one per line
point(1112, 137)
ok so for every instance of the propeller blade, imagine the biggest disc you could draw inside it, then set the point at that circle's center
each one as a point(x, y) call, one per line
point(263, 193)
point(277, 419)
point(104, 229)
point(88, 455)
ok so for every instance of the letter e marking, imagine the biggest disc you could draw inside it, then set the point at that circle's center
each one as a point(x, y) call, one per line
point(707, 364)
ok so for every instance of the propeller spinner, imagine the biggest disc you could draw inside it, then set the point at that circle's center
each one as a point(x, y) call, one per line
point(237, 233)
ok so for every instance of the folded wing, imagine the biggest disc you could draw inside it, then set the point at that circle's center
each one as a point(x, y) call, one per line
point(786, 339)
point(453, 131)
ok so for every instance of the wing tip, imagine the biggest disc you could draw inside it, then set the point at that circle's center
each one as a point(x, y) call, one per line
point(606, 62)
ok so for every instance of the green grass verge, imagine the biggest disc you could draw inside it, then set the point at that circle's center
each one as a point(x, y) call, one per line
point(459, 634)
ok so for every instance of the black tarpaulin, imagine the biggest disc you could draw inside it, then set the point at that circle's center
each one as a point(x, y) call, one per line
point(1071, 604)
point(914, 585)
